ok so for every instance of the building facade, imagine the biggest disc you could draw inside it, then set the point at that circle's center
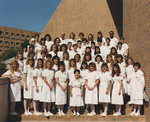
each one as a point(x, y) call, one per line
point(12, 37)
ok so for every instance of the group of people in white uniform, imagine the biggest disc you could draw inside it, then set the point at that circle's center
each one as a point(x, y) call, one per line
point(75, 72)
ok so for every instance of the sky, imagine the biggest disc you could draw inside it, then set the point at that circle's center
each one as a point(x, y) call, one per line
point(31, 15)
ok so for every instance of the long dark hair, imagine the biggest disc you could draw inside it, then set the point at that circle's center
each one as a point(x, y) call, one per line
point(84, 62)
point(61, 63)
point(98, 34)
point(38, 62)
point(95, 50)
point(118, 70)
point(50, 38)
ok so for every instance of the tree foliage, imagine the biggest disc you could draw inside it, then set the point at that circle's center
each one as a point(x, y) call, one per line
point(3, 68)
point(9, 53)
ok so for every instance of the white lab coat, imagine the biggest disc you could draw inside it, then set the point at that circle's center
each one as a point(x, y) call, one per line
point(113, 42)
point(137, 87)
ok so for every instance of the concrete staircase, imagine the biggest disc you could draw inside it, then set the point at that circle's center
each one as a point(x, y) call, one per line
point(126, 110)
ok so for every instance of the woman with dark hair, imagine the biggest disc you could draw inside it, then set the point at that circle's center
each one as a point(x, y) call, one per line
point(54, 50)
point(84, 69)
point(100, 36)
point(63, 48)
point(104, 87)
point(61, 77)
point(114, 53)
point(90, 39)
point(91, 93)
point(28, 85)
point(57, 41)
point(37, 86)
point(98, 62)
point(87, 58)
point(122, 66)
point(76, 92)
point(129, 72)
point(42, 43)
point(65, 59)
point(96, 52)
point(48, 41)
point(137, 88)
point(117, 94)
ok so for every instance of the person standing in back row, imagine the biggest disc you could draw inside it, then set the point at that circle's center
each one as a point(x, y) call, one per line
point(113, 40)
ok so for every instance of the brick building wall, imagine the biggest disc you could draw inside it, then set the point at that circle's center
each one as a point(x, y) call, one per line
point(136, 30)
point(88, 16)
point(12, 37)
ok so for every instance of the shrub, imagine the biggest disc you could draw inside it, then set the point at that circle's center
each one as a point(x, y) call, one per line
point(3, 68)
point(12, 52)
point(24, 44)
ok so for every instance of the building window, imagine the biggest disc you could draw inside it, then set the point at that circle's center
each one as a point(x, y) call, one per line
point(12, 34)
point(1, 50)
point(12, 42)
point(1, 32)
point(17, 43)
point(23, 35)
point(28, 36)
point(6, 42)
point(1, 43)
point(17, 34)
point(6, 33)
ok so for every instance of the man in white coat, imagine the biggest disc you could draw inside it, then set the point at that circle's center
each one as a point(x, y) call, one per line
point(113, 40)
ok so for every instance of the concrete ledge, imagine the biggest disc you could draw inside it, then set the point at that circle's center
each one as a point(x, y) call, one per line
point(4, 99)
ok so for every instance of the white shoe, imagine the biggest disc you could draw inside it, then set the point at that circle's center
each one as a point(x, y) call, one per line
point(137, 114)
point(59, 113)
point(74, 113)
point(14, 113)
point(132, 114)
point(78, 114)
point(93, 114)
point(50, 114)
point(62, 113)
point(115, 114)
point(119, 114)
point(129, 102)
point(29, 113)
point(39, 113)
point(89, 114)
point(104, 114)
point(45, 113)
point(36, 113)
point(26, 113)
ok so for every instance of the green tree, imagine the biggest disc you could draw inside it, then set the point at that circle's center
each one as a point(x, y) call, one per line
point(3, 68)
point(25, 44)
point(11, 52)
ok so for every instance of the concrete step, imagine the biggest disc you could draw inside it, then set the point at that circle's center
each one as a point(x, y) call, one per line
point(83, 117)
point(69, 117)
